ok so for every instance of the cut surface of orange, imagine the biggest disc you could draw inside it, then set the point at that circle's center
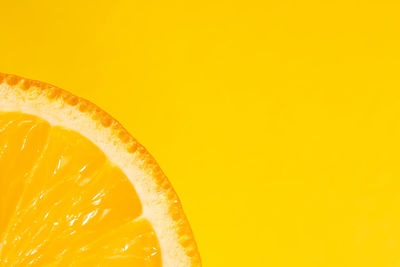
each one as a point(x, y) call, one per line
point(76, 189)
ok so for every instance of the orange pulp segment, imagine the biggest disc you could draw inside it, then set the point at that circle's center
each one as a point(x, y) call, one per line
point(62, 202)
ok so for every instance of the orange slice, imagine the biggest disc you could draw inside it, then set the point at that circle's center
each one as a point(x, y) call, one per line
point(76, 189)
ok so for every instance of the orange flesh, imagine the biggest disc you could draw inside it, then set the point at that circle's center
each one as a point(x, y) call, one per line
point(63, 203)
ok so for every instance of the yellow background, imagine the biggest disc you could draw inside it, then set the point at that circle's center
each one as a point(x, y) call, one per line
point(278, 122)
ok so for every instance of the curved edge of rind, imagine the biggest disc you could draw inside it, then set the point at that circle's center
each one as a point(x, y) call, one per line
point(46, 100)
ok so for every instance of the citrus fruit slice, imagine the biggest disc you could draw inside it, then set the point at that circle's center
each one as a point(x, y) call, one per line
point(76, 189)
